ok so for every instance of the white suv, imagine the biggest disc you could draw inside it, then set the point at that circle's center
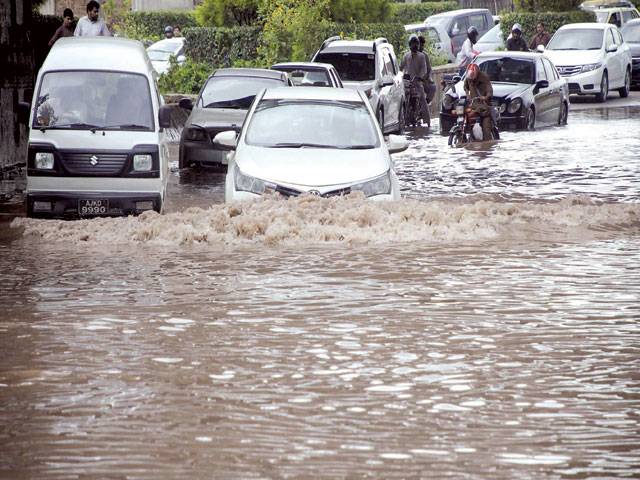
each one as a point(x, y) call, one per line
point(593, 57)
point(370, 66)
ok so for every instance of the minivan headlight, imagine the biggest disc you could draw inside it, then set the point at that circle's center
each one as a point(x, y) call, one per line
point(590, 67)
point(247, 183)
point(44, 160)
point(142, 163)
point(377, 186)
point(514, 105)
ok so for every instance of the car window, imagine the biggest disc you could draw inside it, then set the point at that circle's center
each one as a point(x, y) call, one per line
point(479, 21)
point(619, 39)
point(540, 73)
point(508, 70)
point(394, 63)
point(548, 70)
point(610, 39)
point(309, 78)
point(459, 26)
point(234, 91)
point(388, 66)
point(614, 19)
point(355, 67)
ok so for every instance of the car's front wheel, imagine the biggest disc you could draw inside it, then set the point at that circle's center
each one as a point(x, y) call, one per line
point(624, 91)
point(401, 122)
point(531, 119)
point(602, 95)
point(564, 113)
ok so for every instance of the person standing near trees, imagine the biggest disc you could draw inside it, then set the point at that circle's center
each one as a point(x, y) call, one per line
point(90, 25)
point(65, 29)
point(540, 38)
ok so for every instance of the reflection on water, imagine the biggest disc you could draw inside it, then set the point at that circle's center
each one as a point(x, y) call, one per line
point(486, 329)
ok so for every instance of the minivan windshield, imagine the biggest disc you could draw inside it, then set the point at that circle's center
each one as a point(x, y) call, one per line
point(313, 124)
point(352, 67)
point(577, 39)
point(86, 100)
point(234, 91)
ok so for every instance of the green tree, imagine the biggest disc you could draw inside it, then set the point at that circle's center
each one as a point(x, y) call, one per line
point(219, 13)
point(364, 11)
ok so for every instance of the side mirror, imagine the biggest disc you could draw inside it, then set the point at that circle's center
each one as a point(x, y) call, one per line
point(386, 81)
point(164, 116)
point(186, 103)
point(397, 144)
point(612, 48)
point(542, 84)
point(24, 110)
point(225, 140)
point(540, 48)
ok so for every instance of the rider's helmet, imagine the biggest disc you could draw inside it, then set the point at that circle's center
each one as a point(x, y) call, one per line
point(472, 71)
point(414, 38)
point(517, 28)
point(168, 29)
point(472, 32)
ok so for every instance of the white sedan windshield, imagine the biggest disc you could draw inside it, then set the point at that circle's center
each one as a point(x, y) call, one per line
point(577, 39)
point(312, 123)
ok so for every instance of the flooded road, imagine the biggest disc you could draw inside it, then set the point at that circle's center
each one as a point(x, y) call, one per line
point(486, 326)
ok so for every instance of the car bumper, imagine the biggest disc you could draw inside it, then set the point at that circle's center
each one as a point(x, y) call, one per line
point(66, 204)
point(587, 83)
point(201, 153)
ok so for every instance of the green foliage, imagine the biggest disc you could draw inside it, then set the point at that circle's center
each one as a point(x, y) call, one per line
point(551, 20)
point(186, 78)
point(547, 5)
point(115, 11)
point(359, 10)
point(407, 13)
point(220, 13)
point(221, 47)
point(150, 25)
point(293, 29)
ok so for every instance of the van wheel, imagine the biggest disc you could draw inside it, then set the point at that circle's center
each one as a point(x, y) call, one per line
point(624, 91)
point(601, 97)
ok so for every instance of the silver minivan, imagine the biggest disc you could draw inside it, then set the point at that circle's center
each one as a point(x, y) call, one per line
point(97, 144)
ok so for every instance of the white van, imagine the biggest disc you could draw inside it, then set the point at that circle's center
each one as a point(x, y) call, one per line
point(96, 143)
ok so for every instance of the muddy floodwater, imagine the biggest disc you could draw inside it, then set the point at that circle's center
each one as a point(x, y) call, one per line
point(485, 326)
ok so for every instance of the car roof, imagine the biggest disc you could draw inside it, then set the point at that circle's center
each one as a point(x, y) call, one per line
point(353, 46)
point(594, 25)
point(249, 72)
point(614, 9)
point(455, 13)
point(313, 65)
point(98, 53)
point(165, 42)
point(312, 93)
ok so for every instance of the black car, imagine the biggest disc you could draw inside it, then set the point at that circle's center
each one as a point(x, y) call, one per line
point(527, 91)
point(222, 105)
point(631, 35)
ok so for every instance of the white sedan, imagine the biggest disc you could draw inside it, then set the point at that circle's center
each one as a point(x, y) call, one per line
point(318, 141)
point(160, 52)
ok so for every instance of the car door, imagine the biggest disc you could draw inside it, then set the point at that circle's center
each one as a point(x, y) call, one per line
point(555, 91)
point(624, 53)
point(613, 60)
point(391, 94)
point(458, 33)
point(542, 95)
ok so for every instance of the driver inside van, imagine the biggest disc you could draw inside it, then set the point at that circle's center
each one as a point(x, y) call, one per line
point(127, 106)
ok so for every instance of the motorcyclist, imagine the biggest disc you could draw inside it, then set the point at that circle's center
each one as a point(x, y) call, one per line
point(516, 42)
point(467, 52)
point(414, 67)
point(429, 84)
point(477, 86)
point(168, 31)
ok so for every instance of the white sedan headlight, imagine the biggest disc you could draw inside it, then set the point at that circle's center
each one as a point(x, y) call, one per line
point(247, 183)
point(378, 186)
point(590, 67)
point(514, 105)
point(44, 160)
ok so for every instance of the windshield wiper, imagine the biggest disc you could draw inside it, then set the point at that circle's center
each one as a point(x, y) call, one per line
point(301, 145)
point(355, 147)
point(78, 125)
point(125, 126)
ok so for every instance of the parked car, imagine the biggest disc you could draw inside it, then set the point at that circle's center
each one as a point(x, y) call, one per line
point(617, 16)
point(591, 5)
point(222, 105)
point(97, 144)
point(310, 74)
point(593, 57)
point(631, 35)
point(370, 66)
point(437, 35)
point(454, 24)
point(491, 41)
point(527, 91)
point(160, 52)
point(319, 141)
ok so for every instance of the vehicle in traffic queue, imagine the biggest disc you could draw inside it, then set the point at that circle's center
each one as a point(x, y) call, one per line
point(222, 105)
point(307, 140)
point(436, 35)
point(97, 143)
point(370, 66)
point(491, 41)
point(617, 16)
point(161, 51)
point(593, 57)
point(527, 91)
point(631, 35)
point(310, 74)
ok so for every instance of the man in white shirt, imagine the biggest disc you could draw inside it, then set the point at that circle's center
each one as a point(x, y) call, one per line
point(467, 52)
point(90, 25)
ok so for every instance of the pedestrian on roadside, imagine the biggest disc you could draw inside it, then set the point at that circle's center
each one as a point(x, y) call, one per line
point(516, 43)
point(414, 67)
point(65, 30)
point(540, 38)
point(91, 25)
point(429, 85)
point(467, 52)
point(168, 31)
point(177, 31)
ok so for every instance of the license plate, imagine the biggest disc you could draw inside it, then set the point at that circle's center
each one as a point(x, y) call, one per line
point(93, 207)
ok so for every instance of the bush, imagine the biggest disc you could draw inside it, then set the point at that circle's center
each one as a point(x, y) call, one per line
point(547, 5)
point(552, 20)
point(150, 25)
point(186, 78)
point(221, 47)
point(407, 13)
point(359, 10)
point(220, 13)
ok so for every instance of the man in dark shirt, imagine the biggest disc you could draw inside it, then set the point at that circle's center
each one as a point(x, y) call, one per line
point(516, 42)
point(477, 87)
point(540, 38)
point(66, 29)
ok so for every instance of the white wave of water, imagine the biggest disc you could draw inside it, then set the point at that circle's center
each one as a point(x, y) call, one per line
point(352, 219)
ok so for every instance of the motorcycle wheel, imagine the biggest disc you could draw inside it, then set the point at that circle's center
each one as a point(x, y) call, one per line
point(456, 138)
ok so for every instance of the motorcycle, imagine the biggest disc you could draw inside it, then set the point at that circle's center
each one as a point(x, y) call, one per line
point(468, 127)
point(412, 94)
